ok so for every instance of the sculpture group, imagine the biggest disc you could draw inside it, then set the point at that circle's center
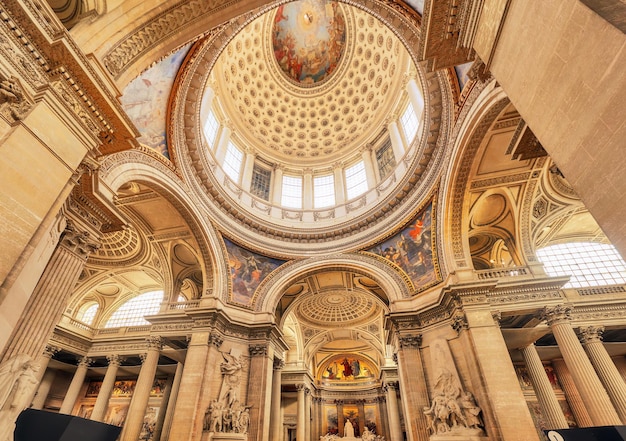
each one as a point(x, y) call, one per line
point(452, 408)
point(227, 414)
point(18, 381)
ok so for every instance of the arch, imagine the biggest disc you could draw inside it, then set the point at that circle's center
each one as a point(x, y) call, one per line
point(391, 282)
point(115, 172)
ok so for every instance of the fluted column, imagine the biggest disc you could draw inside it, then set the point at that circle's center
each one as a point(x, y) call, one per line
point(171, 405)
point(50, 296)
point(368, 162)
point(572, 395)
point(382, 428)
point(167, 394)
point(543, 389)
point(620, 364)
point(276, 422)
point(416, 97)
point(102, 402)
point(74, 389)
point(591, 337)
point(413, 384)
point(397, 144)
point(592, 391)
point(307, 417)
point(44, 376)
point(301, 430)
point(307, 189)
point(395, 428)
point(259, 394)
point(316, 424)
point(141, 395)
point(340, 419)
point(186, 414)
point(277, 186)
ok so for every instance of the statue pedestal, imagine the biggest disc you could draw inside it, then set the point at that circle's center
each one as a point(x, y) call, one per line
point(460, 434)
point(218, 436)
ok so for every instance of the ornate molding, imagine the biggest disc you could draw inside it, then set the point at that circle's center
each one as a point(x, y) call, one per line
point(558, 314)
point(410, 341)
point(257, 350)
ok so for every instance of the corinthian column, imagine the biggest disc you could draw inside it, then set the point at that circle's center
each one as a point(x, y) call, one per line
point(75, 386)
point(49, 299)
point(301, 430)
point(102, 402)
point(259, 390)
point(395, 428)
point(591, 337)
point(413, 383)
point(45, 377)
point(592, 391)
point(543, 389)
point(141, 395)
point(276, 421)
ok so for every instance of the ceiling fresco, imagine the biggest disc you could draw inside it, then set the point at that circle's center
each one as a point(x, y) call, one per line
point(308, 38)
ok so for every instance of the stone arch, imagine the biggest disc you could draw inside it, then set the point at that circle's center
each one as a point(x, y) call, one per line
point(473, 124)
point(115, 171)
point(394, 285)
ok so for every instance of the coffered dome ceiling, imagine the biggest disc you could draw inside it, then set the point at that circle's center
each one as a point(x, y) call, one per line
point(308, 83)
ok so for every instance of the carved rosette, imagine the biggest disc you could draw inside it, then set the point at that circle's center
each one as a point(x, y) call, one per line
point(591, 334)
point(556, 314)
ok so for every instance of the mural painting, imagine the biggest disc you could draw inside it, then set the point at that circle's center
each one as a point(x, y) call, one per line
point(308, 39)
point(413, 250)
point(331, 423)
point(370, 419)
point(348, 369)
point(125, 388)
point(461, 74)
point(247, 271)
point(145, 100)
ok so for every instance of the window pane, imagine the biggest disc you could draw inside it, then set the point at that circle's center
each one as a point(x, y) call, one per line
point(211, 127)
point(292, 192)
point(260, 185)
point(133, 311)
point(588, 263)
point(385, 159)
point(356, 180)
point(89, 314)
point(232, 162)
point(324, 191)
point(409, 123)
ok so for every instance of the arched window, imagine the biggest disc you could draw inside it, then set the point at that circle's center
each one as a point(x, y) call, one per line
point(133, 311)
point(233, 161)
point(87, 313)
point(211, 127)
point(588, 263)
point(410, 123)
point(356, 180)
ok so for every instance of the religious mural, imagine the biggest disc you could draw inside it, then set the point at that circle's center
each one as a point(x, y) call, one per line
point(145, 100)
point(308, 39)
point(331, 421)
point(348, 369)
point(247, 271)
point(413, 249)
point(125, 388)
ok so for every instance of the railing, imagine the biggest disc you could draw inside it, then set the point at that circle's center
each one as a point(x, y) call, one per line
point(497, 273)
point(183, 305)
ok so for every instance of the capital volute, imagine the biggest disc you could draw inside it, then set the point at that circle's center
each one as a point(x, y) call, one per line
point(84, 361)
point(410, 341)
point(257, 350)
point(115, 360)
point(301, 387)
point(556, 314)
point(154, 342)
point(591, 334)
point(278, 364)
point(50, 350)
point(459, 322)
point(215, 340)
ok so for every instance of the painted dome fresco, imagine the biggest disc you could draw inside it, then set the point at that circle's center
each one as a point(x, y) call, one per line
point(308, 38)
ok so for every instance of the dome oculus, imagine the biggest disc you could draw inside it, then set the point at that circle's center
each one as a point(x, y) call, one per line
point(308, 39)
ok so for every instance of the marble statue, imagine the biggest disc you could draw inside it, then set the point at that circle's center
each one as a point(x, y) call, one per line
point(18, 381)
point(348, 429)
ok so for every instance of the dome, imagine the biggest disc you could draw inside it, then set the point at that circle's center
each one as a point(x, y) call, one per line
point(312, 124)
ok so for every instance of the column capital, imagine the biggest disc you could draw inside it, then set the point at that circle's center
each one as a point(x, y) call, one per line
point(278, 364)
point(78, 242)
point(115, 359)
point(50, 350)
point(301, 387)
point(590, 334)
point(391, 385)
point(339, 402)
point(459, 322)
point(154, 342)
point(216, 340)
point(497, 317)
point(410, 341)
point(256, 350)
point(84, 361)
point(556, 314)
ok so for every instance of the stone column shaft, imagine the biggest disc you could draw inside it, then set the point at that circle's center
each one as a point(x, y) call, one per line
point(340, 420)
point(276, 422)
point(620, 364)
point(543, 389)
point(606, 369)
point(413, 386)
point(368, 161)
point(592, 391)
point(248, 167)
point(50, 297)
point(361, 409)
point(572, 395)
point(307, 416)
point(74, 389)
point(186, 413)
point(141, 395)
point(395, 428)
point(102, 402)
point(260, 391)
point(171, 404)
point(301, 430)
point(397, 143)
point(167, 394)
point(340, 190)
point(44, 389)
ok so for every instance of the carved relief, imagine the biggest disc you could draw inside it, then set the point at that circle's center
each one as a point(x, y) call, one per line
point(14, 103)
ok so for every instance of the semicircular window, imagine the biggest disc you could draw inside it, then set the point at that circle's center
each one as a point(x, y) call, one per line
point(587, 263)
point(132, 312)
